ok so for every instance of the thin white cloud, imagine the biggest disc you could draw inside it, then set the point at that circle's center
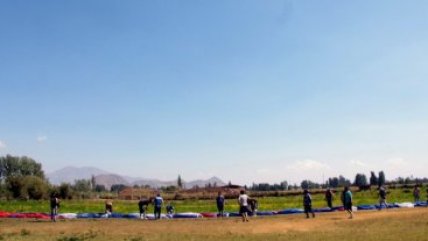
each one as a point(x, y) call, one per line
point(41, 139)
point(306, 165)
point(358, 163)
point(306, 169)
point(397, 162)
point(395, 167)
point(2, 145)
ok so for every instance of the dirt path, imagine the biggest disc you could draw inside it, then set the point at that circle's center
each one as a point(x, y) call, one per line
point(259, 225)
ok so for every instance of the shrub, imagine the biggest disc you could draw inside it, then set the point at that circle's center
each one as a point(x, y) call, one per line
point(14, 186)
point(65, 191)
point(70, 238)
point(27, 187)
point(35, 187)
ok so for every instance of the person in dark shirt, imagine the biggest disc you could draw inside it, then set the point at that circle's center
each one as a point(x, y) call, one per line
point(307, 203)
point(109, 207)
point(220, 201)
point(254, 206)
point(416, 194)
point(158, 201)
point(142, 206)
point(329, 198)
point(54, 205)
point(347, 201)
point(169, 209)
point(382, 198)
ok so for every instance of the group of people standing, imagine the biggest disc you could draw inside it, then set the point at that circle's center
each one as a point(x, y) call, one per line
point(346, 200)
point(246, 204)
point(249, 205)
point(157, 206)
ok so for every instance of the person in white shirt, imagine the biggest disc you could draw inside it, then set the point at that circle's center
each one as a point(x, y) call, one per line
point(243, 205)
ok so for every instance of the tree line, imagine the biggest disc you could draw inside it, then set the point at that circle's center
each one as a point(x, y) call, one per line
point(360, 181)
point(340, 181)
point(24, 178)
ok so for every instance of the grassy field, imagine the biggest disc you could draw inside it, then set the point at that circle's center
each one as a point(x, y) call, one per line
point(391, 225)
point(265, 203)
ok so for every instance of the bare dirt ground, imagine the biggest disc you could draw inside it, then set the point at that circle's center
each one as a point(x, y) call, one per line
point(324, 223)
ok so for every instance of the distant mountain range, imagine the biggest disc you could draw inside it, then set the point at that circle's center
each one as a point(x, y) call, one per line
point(70, 174)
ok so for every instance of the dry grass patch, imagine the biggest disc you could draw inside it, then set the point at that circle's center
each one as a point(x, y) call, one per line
point(394, 225)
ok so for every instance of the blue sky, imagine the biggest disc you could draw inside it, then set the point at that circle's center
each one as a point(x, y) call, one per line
point(259, 91)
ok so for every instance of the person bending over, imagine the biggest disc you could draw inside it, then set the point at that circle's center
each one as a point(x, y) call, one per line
point(142, 206)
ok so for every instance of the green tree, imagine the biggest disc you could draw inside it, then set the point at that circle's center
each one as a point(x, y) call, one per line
point(169, 188)
point(117, 187)
point(284, 185)
point(304, 184)
point(22, 177)
point(373, 179)
point(82, 185)
point(34, 187)
point(65, 191)
point(15, 186)
point(343, 182)
point(360, 180)
point(381, 180)
point(12, 166)
point(9, 166)
point(179, 182)
point(333, 182)
point(30, 167)
point(93, 182)
point(307, 184)
point(2, 190)
point(100, 188)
